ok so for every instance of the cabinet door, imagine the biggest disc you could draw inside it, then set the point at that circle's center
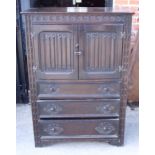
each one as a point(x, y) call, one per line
point(101, 51)
point(54, 51)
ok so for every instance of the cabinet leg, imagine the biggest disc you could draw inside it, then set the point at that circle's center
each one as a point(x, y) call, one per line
point(38, 142)
point(117, 142)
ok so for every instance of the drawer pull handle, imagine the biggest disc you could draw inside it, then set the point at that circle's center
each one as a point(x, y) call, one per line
point(106, 109)
point(105, 128)
point(52, 109)
point(106, 89)
point(53, 129)
point(52, 89)
point(109, 89)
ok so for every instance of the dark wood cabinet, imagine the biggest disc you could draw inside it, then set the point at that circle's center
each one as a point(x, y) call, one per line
point(77, 63)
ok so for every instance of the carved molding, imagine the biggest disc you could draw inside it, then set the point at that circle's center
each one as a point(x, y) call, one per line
point(59, 35)
point(94, 35)
point(105, 128)
point(53, 129)
point(76, 18)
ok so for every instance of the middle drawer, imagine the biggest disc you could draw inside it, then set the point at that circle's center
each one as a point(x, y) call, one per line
point(78, 108)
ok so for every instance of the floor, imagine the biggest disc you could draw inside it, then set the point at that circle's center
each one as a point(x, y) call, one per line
point(25, 141)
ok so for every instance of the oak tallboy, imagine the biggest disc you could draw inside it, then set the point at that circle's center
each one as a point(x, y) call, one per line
point(77, 65)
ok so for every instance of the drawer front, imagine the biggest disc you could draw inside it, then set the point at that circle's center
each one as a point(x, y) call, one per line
point(55, 90)
point(77, 108)
point(96, 128)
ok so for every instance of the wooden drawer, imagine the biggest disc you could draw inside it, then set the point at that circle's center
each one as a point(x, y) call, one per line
point(78, 128)
point(79, 108)
point(68, 90)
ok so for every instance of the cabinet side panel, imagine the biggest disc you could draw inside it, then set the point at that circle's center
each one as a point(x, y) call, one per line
point(124, 87)
point(32, 84)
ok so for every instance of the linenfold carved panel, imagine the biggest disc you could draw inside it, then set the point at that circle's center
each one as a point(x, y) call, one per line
point(100, 51)
point(56, 51)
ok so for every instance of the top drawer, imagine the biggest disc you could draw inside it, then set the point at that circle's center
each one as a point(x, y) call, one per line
point(73, 90)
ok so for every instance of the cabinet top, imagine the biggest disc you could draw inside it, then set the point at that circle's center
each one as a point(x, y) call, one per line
point(47, 10)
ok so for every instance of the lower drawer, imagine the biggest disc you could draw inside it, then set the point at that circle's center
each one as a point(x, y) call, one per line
point(78, 108)
point(79, 128)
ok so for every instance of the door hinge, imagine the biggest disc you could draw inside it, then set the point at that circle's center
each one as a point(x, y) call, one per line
point(32, 34)
point(121, 69)
point(34, 68)
point(123, 34)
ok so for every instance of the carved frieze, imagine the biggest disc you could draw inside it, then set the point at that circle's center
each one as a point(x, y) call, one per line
point(76, 18)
